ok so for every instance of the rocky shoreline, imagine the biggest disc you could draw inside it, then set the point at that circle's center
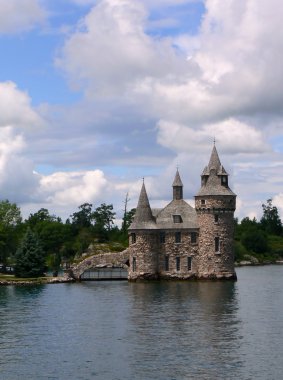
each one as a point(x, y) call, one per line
point(66, 279)
point(51, 280)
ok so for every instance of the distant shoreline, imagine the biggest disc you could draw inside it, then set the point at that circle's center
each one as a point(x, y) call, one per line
point(63, 280)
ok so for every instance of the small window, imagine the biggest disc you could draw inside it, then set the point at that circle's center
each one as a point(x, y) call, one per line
point(217, 244)
point(166, 263)
point(203, 201)
point(162, 237)
point(224, 180)
point(134, 264)
point(189, 263)
point(133, 238)
point(177, 219)
point(177, 237)
point(216, 218)
point(193, 237)
point(177, 263)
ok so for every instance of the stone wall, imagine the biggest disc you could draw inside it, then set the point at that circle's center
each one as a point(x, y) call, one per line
point(212, 263)
point(147, 256)
point(144, 256)
point(113, 259)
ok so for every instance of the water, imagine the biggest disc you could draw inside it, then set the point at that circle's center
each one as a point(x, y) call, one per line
point(158, 331)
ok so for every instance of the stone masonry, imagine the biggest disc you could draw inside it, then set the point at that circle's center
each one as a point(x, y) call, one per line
point(182, 242)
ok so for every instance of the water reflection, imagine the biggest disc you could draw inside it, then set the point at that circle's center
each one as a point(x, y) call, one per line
point(190, 327)
point(145, 331)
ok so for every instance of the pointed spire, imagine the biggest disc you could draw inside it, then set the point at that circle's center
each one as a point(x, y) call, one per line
point(177, 187)
point(214, 178)
point(214, 162)
point(143, 217)
point(177, 180)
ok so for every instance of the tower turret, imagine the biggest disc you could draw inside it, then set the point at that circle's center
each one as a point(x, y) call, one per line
point(215, 205)
point(177, 187)
point(143, 241)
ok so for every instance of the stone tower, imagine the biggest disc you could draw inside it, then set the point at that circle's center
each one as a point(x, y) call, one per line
point(143, 242)
point(215, 204)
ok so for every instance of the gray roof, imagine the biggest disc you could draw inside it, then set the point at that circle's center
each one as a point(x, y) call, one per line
point(164, 219)
point(214, 171)
point(143, 218)
point(214, 162)
point(177, 180)
point(213, 187)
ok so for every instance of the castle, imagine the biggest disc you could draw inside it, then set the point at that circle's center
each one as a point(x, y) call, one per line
point(182, 242)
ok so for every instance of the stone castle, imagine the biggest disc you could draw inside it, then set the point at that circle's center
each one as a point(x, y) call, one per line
point(182, 242)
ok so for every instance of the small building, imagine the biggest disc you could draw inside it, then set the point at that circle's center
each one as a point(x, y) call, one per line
point(182, 242)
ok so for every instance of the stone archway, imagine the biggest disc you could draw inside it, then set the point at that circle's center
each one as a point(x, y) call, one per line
point(115, 259)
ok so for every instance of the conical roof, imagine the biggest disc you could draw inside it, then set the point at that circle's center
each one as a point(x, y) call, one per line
point(177, 180)
point(214, 162)
point(214, 171)
point(143, 218)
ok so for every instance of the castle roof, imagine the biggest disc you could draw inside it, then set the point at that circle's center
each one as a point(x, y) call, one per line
point(186, 216)
point(143, 218)
point(213, 173)
point(177, 180)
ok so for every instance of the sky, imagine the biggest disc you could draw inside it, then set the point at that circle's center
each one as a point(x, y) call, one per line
point(97, 94)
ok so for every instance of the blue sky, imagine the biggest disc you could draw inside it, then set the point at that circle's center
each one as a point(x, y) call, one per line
point(96, 94)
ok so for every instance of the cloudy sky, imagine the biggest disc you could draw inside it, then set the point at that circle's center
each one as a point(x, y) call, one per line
point(96, 94)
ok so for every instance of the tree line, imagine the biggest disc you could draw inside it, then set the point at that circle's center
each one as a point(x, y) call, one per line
point(44, 240)
point(261, 239)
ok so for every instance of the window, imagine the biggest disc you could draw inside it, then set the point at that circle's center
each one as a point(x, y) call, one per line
point(189, 263)
point(216, 218)
point(134, 264)
point(203, 202)
point(177, 263)
point(133, 238)
point(217, 244)
point(193, 237)
point(224, 180)
point(177, 237)
point(166, 263)
point(177, 219)
point(162, 237)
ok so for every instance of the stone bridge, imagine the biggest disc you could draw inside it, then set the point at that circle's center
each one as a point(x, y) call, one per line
point(109, 260)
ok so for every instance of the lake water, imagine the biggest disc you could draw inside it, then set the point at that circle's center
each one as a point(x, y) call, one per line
point(168, 330)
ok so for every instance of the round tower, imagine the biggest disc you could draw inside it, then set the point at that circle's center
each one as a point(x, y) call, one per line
point(215, 204)
point(143, 242)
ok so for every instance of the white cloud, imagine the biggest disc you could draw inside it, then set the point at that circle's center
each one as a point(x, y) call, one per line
point(65, 188)
point(233, 136)
point(20, 15)
point(114, 50)
point(16, 108)
point(17, 180)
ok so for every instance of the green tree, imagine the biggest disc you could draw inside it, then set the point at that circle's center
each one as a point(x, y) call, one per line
point(10, 214)
point(255, 240)
point(127, 219)
point(270, 220)
point(84, 217)
point(10, 229)
point(104, 216)
point(41, 215)
point(30, 260)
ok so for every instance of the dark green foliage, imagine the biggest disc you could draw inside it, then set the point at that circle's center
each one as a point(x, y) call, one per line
point(270, 220)
point(255, 240)
point(10, 230)
point(84, 217)
point(30, 260)
point(104, 217)
point(127, 219)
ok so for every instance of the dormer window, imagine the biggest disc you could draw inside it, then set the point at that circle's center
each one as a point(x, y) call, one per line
point(177, 219)
point(224, 180)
